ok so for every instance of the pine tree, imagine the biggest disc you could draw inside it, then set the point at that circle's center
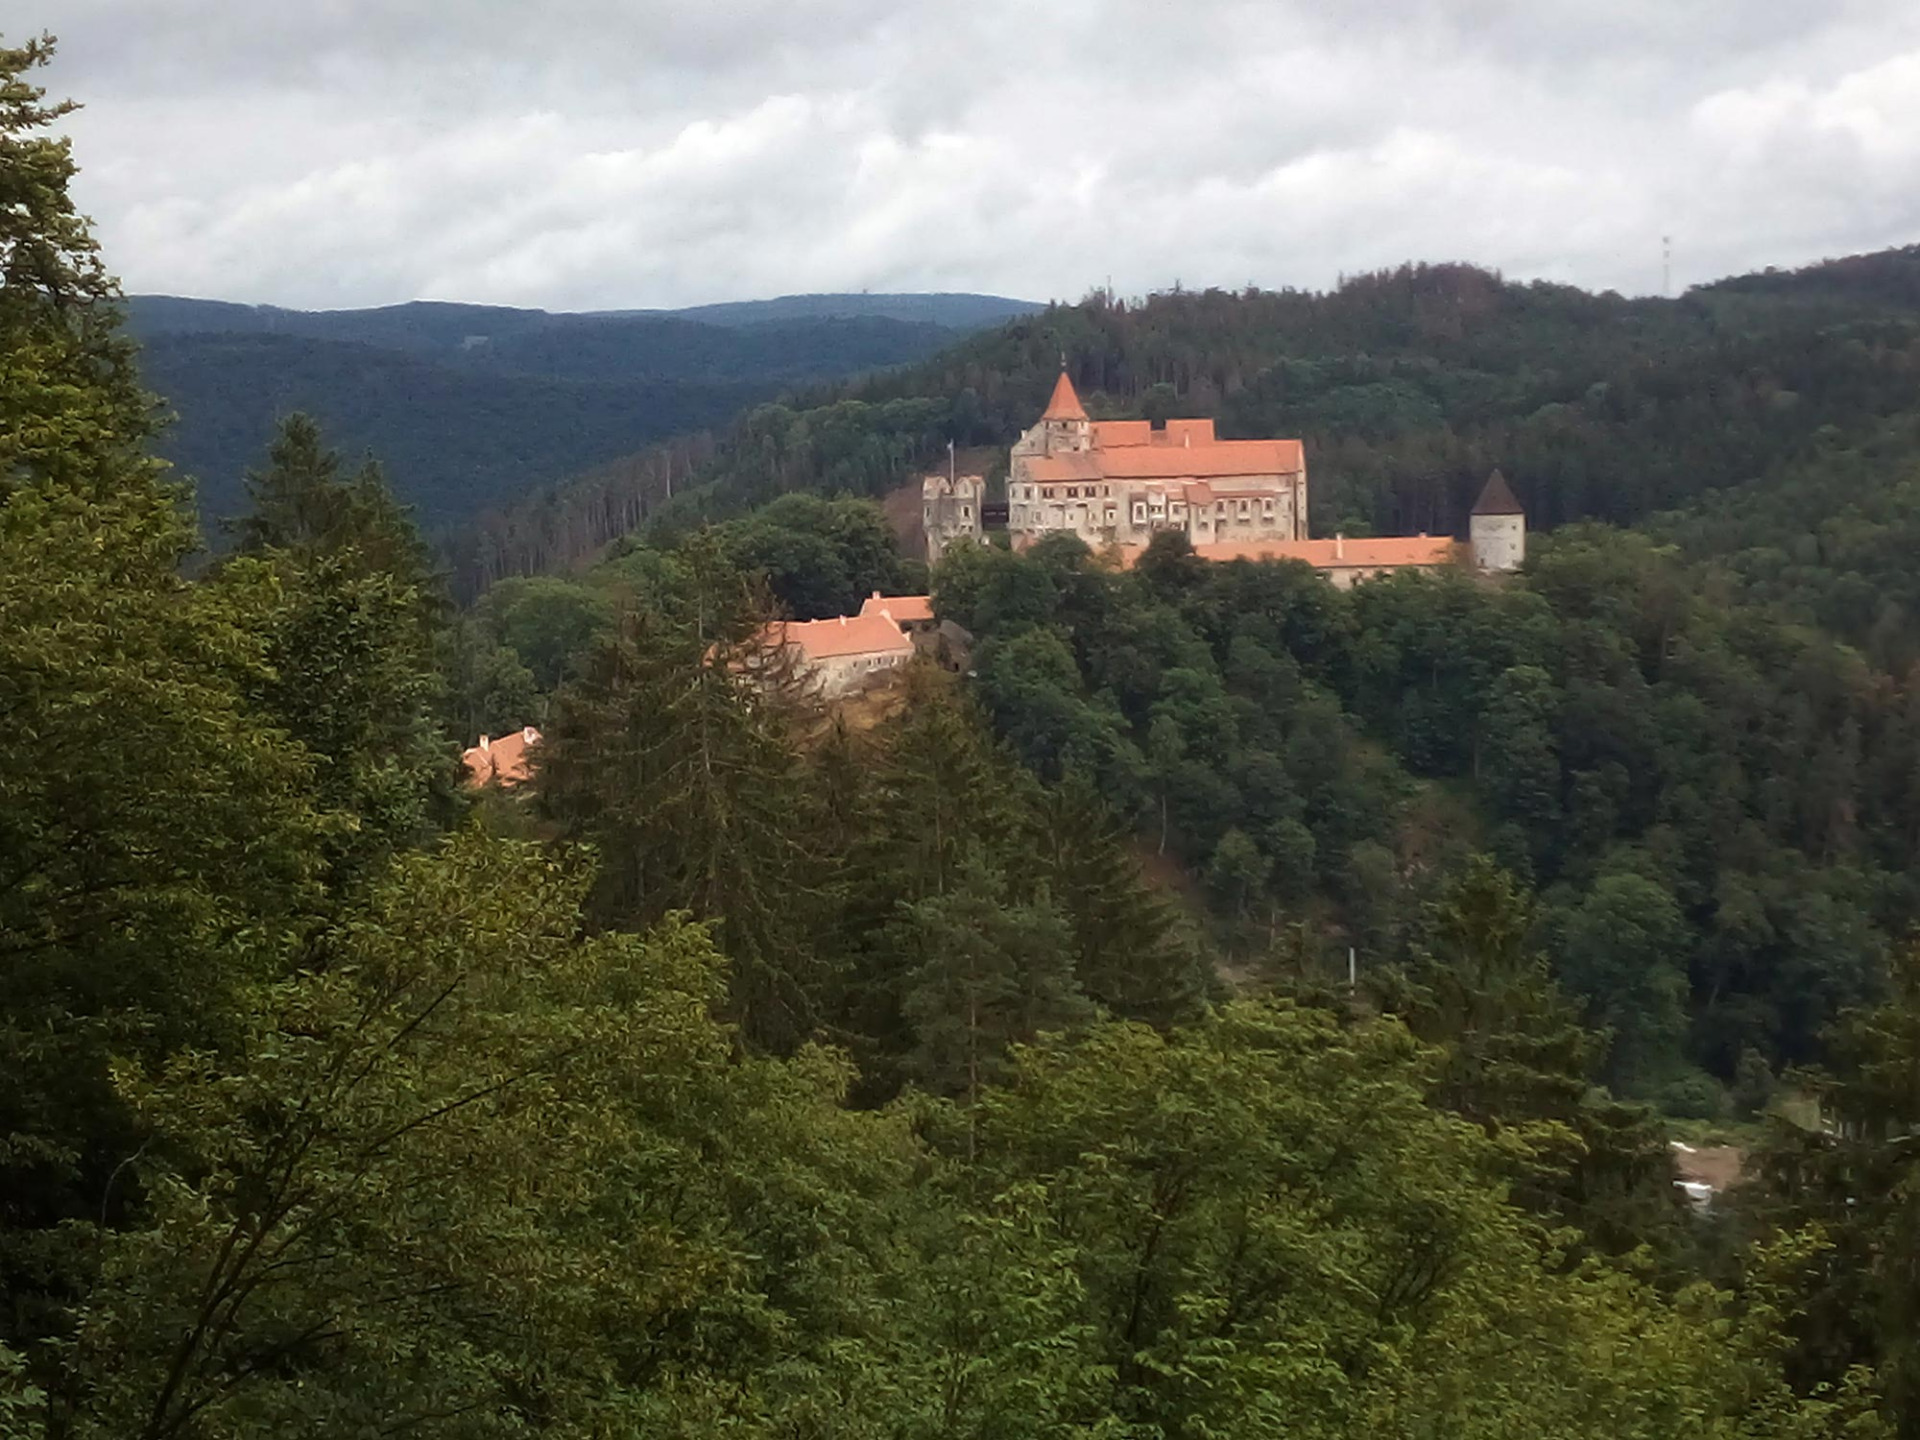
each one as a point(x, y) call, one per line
point(673, 761)
point(1131, 952)
point(348, 602)
point(988, 972)
point(157, 838)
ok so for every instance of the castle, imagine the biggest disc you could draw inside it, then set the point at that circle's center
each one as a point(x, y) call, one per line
point(1118, 483)
point(952, 508)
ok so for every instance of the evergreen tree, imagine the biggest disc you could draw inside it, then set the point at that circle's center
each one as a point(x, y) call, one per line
point(987, 973)
point(72, 413)
point(350, 610)
point(157, 835)
point(1132, 953)
point(1856, 1175)
point(671, 756)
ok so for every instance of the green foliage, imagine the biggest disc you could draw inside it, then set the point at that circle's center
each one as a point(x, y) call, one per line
point(74, 412)
point(469, 1179)
point(315, 1121)
point(666, 759)
point(1707, 796)
point(340, 585)
point(989, 974)
point(1855, 1175)
point(820, 557)
point(545, 622)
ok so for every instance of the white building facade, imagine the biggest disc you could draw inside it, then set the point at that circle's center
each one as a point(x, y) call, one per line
point(1123, 481)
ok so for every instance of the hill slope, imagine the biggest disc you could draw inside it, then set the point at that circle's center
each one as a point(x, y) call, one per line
point(1408, 386)
point(470, 404)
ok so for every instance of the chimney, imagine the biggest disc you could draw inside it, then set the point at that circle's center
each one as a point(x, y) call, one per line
point(1339, 546)
point(485, 744)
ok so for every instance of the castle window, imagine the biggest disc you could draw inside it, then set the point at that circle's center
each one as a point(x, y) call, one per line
point(1073, 492)
point(966, 512)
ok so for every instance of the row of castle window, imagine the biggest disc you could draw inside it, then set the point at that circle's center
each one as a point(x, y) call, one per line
point(1095, 492)
point(1081, 515)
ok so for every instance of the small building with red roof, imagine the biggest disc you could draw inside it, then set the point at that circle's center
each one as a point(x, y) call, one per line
point(910, 612)
point(840, 655)
point(503, 761)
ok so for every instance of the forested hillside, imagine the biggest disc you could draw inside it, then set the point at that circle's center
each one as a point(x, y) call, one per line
point(1407, 386)
point(477, 406)
point(752, 1074)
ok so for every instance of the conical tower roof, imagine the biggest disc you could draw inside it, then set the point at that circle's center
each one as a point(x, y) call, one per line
point(1065, 404)
point(1497, 498)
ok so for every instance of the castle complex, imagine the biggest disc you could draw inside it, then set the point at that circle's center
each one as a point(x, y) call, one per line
point(1118, 483)
point(1121, 481)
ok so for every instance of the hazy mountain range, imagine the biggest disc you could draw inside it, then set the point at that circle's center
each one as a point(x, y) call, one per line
point(470, 405)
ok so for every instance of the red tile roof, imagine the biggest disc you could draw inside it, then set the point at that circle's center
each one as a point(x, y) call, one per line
point(1180, 434)
point(901, 609)
point(1349, 553)
point(1065, 404)
point(1220, 460)
point(502, 761)
point(1109, 433)
point(868, 633)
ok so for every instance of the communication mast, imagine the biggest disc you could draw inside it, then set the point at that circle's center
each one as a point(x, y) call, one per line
point(1666, 266)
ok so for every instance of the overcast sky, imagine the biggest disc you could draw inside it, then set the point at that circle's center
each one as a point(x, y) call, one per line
point(581, 154)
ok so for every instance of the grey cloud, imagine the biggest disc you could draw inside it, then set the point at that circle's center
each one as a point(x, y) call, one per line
point(597, 153)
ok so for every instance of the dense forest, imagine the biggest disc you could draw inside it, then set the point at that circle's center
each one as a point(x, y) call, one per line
point(481, 405)
point(758, 1074)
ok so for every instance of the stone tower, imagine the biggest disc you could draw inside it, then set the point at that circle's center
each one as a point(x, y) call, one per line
point(1498, 528)
point(950, 510)
point(1064, 427)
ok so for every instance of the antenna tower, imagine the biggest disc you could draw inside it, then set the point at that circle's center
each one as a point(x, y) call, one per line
point(1666, 266)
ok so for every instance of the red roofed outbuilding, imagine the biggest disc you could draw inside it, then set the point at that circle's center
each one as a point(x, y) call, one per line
point(841, 654)
point(502, 762)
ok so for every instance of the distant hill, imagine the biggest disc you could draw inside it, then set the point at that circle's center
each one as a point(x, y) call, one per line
point(956, 312)
point(470, 405)
point(452, 438)
point(1886, 280)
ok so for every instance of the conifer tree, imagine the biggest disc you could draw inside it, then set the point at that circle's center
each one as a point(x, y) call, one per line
point(156, 833)
point(987, 972)
point(1131, 951)
point(1518, 1061)
point(350, 608)
point(671, 755)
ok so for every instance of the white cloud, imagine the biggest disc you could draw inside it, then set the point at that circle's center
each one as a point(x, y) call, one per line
point(610, 153)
